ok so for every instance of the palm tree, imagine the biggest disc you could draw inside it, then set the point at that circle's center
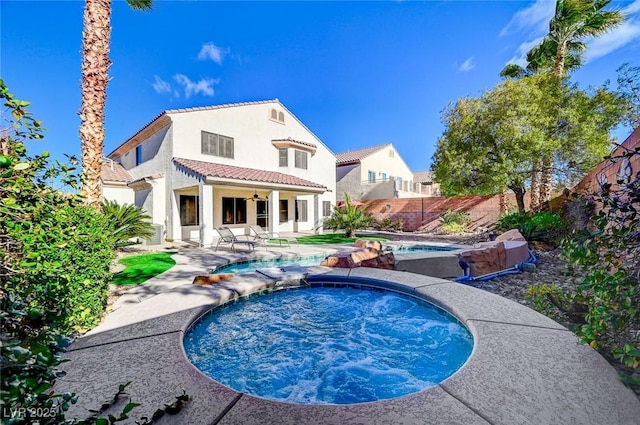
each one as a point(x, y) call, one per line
point(573, 22)
point(95, 67)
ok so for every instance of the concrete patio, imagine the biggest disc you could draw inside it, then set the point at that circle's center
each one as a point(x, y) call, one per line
point(524, 369)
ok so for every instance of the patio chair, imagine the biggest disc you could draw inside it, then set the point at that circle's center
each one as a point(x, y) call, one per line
point(263, 237)
point(227, 237)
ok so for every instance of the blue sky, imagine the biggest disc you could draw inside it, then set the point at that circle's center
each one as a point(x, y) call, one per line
point(358, 74)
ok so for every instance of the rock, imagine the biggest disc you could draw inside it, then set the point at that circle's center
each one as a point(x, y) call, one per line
point(214, 278)
point(364, 243)
point(485, 258)
point(366, 257)
point(528, 267)
point(341, 260)
point(510, 235)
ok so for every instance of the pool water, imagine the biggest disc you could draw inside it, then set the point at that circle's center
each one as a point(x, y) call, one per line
point(247, 266)
point(323, 345)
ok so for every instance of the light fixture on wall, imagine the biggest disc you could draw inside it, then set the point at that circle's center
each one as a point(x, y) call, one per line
point(388, 207)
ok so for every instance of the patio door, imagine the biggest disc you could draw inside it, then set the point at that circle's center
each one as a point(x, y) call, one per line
point(262, 214)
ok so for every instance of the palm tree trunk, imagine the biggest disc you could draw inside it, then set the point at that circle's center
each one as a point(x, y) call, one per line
point(95, 67)
point(534, 204)
point(502, 199)
point(558, 65)
point(545, 180)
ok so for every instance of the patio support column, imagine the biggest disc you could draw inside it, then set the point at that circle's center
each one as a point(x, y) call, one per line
point(274, 211)
point(206, 214)
point(317, 227)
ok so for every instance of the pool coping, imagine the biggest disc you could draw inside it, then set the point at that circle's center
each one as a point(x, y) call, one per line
point(541, 376)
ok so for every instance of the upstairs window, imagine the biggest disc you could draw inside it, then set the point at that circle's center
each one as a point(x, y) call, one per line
point(277, 116)
point(283, 155)
point(301, 159)
point(392, 154)
point(372, 176)
point(384, 177)
point(216, 144)
point(138, 154)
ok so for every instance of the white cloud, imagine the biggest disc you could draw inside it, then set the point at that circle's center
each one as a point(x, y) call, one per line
point(161, 86)
point(520, 57)
point(612, 40)
point(534, 19)
point(467, 65)
point(632, 8)
point(203, 87)
point(210, 51)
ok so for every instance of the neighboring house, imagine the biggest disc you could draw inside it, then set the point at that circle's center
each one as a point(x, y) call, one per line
point(234, 165)
point(377, 172)
point(427, 186)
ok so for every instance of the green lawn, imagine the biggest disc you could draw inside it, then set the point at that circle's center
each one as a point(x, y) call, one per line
point(140, 268)
point(329, 238)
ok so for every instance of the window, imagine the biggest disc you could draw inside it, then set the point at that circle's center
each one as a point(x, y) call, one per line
point(234, 211)
point(277, 116)
point(301, 211)
point(392, 154)
point(138, 154)
point(301, 159)
point(189, 210)
point(384, 177)
point(216, 144)
point(372, 176)
point(284, 210)
point(283, 154)
point(326, 208)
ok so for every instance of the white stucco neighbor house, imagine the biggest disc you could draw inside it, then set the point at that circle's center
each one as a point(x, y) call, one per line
point(233, 165)
point(377, 172)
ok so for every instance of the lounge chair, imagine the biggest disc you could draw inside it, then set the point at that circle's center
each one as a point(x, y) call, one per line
point(227, 237)
point(263, 237)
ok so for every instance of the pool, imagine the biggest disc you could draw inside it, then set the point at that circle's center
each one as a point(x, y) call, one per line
point(248, 266)
point(327, 345)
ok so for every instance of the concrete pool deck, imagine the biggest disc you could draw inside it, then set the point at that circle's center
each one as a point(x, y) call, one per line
point(524, 369)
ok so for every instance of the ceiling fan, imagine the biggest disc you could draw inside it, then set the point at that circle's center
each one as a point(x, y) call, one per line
point(256, 197)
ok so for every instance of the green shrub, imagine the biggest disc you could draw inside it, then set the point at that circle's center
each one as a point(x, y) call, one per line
point(455, 221)
point(127, 222)
point(543, 226)
point(388, 224)
point(56, 252)
point(349, 218)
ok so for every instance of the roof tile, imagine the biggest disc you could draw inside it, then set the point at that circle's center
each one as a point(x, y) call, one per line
point(357, 155)
point(114, 172)
point(209, 169)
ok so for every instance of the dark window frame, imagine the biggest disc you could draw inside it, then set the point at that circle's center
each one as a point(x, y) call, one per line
point(184, 210)
point(234, 210)
point(217, 144)
point(139, 157)
point(283, 212)
point(299, 161)
point(302, 211)
point(283, 160)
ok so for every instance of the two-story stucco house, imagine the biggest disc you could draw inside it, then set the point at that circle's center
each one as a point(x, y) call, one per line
point(231, 165)
point(377, 172)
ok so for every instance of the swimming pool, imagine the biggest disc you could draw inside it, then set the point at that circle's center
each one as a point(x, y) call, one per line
point(324, 345)
point(248, 266)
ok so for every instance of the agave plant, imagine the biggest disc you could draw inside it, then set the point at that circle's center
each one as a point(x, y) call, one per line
point(127, 222)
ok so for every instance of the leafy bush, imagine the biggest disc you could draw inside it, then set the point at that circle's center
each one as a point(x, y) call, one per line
point(542, 226)
point(455, 221)
point(349, 217)
point(602, 305)
point(127, 222)
point(388, 224)
point(56, 252)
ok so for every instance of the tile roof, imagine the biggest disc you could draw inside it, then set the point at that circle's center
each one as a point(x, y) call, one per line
point(300, 142)
point(357, 155)
point(423, 177)
point(209, 169)
point(114, 172)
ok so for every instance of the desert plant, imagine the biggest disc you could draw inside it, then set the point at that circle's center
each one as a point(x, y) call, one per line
point(455, 221)
point(389, 224)
point(350, 217)
point(543, 226)
point(127, 222)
